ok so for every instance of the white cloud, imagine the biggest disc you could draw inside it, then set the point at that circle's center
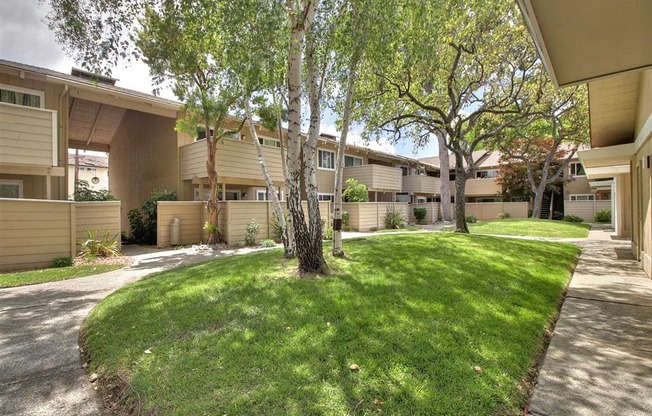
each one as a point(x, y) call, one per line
point(355, 138)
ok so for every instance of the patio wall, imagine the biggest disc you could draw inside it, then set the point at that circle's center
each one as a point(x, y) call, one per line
point(486, 211)
point(432, 212)
point(233, 218)
point(585, 209)
point(364, 216)
point(33, 232)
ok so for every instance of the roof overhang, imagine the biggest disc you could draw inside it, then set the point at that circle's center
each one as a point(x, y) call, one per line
point(601, 185)
point(606, 162)
point(584, 40)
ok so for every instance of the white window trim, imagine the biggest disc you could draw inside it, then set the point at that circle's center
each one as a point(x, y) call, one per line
point(320, 194)
point(353, 157)
point(25, 91)
point(17, 182)
point(261, 191)
point(319, 159)
point(235, 191)
point(588, 199)
point(570, 171)
point(263, 138)
point(422, 200)
point(487, 170)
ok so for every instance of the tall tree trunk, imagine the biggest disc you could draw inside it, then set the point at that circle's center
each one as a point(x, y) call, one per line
point(310, 262)
point(338, 250)
point(461, 176)
point(211, 204)
point(288, 233)
point(444, 174)
point(278, 210)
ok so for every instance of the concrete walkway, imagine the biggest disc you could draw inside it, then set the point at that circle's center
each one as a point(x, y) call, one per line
point(40, 367)
point(599, 361)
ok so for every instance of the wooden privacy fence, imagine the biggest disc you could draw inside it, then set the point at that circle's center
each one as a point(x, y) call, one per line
point(432, 212)
point(233, 218)
point(486, 211)
point(585, 209)
point(364, 216)
point(33, 232)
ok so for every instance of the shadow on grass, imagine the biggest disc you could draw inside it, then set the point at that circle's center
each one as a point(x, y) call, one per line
point(416, 314)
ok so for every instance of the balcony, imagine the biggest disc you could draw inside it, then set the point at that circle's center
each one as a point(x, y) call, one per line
point(236, 162)
point(28, 140)
point(421, 184)
point(487, 186)
point(376, 177)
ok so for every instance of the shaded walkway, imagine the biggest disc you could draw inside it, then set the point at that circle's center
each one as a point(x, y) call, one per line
point(599, 361)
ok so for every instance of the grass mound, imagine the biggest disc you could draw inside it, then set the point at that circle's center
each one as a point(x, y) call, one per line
point(435, 323)
point(532, 228)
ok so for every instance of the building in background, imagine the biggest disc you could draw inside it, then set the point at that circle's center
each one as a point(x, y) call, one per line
point(92, 169)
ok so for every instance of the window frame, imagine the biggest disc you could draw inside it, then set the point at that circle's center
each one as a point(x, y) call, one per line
point(496, 173)
point(261, 191)
point(321, 195)
point(21, 90)
point(353, 157)
point(570, 170)
point(589, 197)
point(319, 159)
point(14, 182)
point(262, 139)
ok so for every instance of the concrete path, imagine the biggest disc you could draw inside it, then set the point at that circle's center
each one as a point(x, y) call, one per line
point(599, 361)
point(40, 367)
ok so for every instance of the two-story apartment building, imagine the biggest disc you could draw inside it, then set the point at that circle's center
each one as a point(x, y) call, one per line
point(93, 170)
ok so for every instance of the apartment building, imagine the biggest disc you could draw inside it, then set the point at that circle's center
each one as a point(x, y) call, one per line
point(607, 45)
point(93, 170)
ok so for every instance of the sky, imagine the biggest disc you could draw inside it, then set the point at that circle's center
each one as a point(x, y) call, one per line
point(25, 38)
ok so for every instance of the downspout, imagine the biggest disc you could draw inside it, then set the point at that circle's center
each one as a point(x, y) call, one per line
point(64, 129)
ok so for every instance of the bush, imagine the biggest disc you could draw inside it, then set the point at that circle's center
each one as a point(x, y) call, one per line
point(529, 213)
point(102, 246)
point(328, 233)
point(355, 191)
point(253, 228)
point(572, 218)
point(268, 243)
point(557, 215)
point(275, 228)
point(214, 229)
point(345, 219)
point(239, 244)
point(503, 215)
point(61, 262)
point(602, 216)
point(85, 193)
point(420, 214)
point(143, 224)
point(394, 218)
point(471, 219)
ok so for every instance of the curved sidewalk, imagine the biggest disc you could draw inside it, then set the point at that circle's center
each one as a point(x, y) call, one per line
point(40, 367)
point(599, 361)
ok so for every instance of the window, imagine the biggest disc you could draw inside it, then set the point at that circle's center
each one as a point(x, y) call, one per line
point(352, 161)
point(233, 136)
point(405, 171)
point(201, 133)
point(197, 197)
point(486, 174)
point(269, 142)
point(326, 160)
point(582, 197)
point(421, 200)
point(487, 200)
point(230, 195)
point(21, 96)
point(326, 197)
point(576, 169)
point(11, 188)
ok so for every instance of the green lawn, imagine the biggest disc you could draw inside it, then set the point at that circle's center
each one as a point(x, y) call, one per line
point(245, 336)
point(532, 228)
point(51, 275)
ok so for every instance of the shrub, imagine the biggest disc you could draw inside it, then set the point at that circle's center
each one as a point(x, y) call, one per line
point(557, 215)
point(268, 243)
point(572, 218)
point(275, 228)
point(602, 216)
point(214, 229)
point(253, 228)
point(345, 219)
point(85, 193)
point(394, 218)
point(328, 233)
point(503, 215)
point(420, 214)
point(143, 224)
point(238, 244)
point(471, 219)
point(529, 213)
point(61, 262)
point(355, 191)
point(102, 246)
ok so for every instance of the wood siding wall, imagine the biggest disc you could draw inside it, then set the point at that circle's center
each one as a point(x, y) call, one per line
point(578, 185)
point(432, 212)
point(481, 187)
point(233, 219)
point(421, 184)
point(26, 136)
point(376, 177)
point(364, 216)
point(143, 157)
point(487, 211)
point(585, 209)
point(33, 232)
point(237, 162)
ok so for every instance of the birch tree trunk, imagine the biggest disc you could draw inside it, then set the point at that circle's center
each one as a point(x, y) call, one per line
point(288, 233)
point(338, 250)
point(444, 174)
point(278, 210)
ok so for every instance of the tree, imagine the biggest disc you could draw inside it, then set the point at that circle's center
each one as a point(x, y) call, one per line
point(355, 191)
point(444, 175)
point(450, 67)
point(547, 145)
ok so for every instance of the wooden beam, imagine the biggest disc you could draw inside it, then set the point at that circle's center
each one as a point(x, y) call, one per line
point(96, 147)
point(97, 117)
